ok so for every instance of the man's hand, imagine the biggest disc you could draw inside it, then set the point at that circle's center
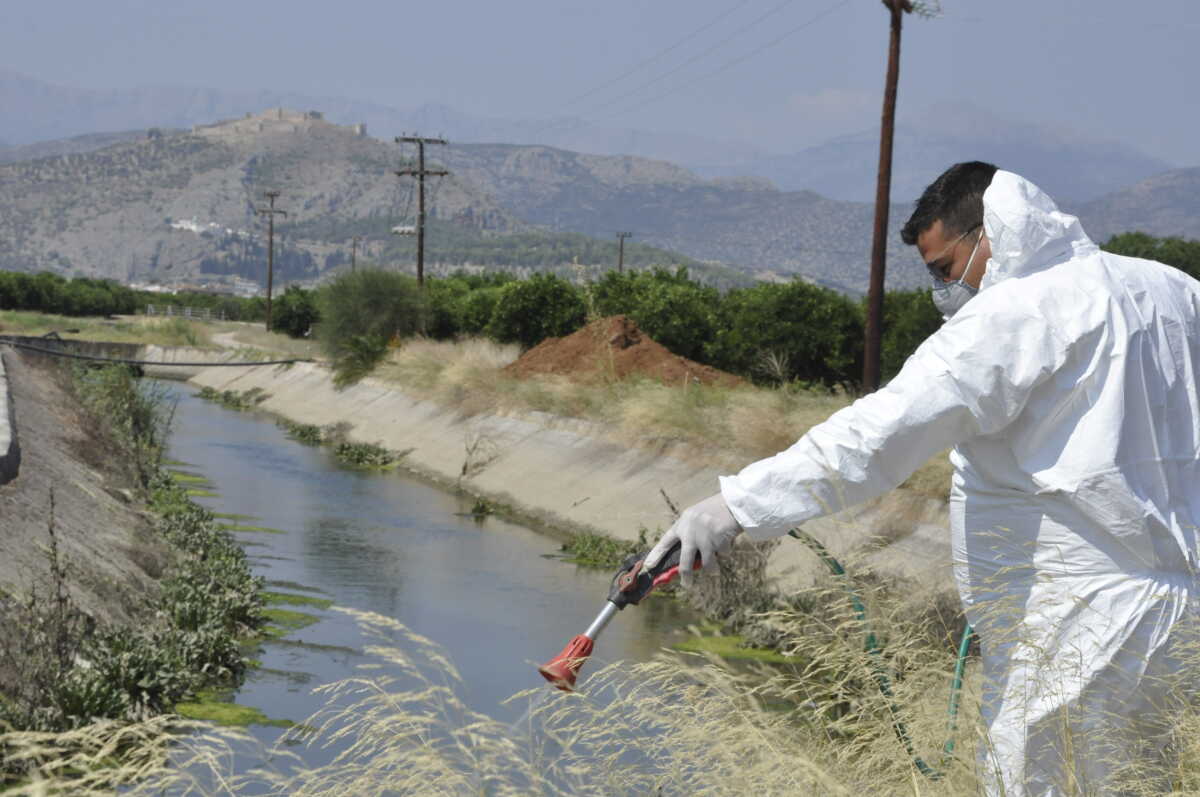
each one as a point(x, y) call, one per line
point(706, 528)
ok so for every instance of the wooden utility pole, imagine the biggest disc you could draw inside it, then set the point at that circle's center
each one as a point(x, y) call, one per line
point(354, 254)
point(621, 236)
point(883, 191)
point(421, 173)
point(270, 213)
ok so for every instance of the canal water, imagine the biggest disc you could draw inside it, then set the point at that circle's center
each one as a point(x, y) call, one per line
point(494, 595)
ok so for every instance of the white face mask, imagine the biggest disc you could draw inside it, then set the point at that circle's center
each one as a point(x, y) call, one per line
point(949, 297)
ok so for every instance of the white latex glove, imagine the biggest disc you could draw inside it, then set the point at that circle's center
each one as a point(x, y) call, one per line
point(706, 528)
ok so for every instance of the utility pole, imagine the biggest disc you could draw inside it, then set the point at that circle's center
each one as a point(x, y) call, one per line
point(621, 236)
point(421, 173)
point(883, 191)
point(354, 254)
point(270, 213)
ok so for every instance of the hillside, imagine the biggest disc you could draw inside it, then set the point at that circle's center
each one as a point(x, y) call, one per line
point(172, 206)
point(1164, 205)
point(1070, 166)
point(180, 206)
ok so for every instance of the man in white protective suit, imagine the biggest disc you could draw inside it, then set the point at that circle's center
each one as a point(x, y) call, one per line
point(1067, 380)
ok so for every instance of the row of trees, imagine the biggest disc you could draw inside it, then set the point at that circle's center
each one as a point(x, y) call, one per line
point(772, 332)
point(84, 296)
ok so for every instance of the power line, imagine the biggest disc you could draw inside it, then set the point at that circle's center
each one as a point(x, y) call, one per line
point(733, 62)
point(703, 54)
point(656, 56)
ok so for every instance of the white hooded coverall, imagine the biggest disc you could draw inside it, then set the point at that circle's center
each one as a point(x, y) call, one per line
point(1070, 390)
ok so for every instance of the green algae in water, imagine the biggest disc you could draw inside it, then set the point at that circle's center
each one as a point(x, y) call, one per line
point(194, 493)
point(732, 648)
point(251, 529)
point(232, 516)
point(294, 585)
point(182, 477)
point(285, 598)
point(213, 706)
point(281, 622)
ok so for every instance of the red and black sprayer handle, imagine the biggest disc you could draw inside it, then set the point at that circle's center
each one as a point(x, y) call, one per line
point(632, 582)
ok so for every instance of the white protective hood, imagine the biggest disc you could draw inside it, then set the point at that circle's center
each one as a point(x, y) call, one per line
point(1070, 390)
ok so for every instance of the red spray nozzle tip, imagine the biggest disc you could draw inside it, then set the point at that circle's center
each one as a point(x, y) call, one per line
point(563, 669)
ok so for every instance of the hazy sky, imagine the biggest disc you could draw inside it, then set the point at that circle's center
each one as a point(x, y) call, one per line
point(788, 73)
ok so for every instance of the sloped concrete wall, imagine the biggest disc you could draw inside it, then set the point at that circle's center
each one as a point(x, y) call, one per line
point(10, 450)
point(569, 475)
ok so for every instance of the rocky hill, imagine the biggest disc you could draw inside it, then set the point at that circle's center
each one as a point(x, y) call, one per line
point(171, 206)
point(1164, 205)
point(175, 206)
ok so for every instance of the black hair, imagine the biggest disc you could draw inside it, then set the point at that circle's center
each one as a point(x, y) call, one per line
point(956, 197)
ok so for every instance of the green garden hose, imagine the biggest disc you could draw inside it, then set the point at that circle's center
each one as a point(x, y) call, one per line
point(879, 670)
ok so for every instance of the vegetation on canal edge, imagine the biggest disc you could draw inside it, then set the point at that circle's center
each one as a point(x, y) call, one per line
point(240, 400)
point(277, 598)
point(306, 433)
point(599, 550)
point(68, 670)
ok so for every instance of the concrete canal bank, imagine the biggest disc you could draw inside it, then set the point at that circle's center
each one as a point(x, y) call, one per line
point(567, 475)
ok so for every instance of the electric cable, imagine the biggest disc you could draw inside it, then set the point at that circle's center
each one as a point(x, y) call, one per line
point(729, 64)
point(703, 54)
point(656, 56)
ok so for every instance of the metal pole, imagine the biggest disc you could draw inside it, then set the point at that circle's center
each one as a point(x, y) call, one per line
point(883, 190)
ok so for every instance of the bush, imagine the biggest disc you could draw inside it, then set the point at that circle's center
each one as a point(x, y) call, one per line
point(815, 334)
point(361, 312)
point(678, 312)
point(475, 310)
point(1178, 252)
point(543, 306)
point(908, 318)
point(295, 312)
point(443, 299)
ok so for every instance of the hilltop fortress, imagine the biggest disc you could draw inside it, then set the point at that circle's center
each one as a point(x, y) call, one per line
point(275, 120)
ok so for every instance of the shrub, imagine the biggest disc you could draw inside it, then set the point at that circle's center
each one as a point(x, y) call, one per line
point(361, 311)
point(678, 312)
point(1178, 252)
point(815, 333)
point(532, 310)
point(908, 318)
point(295, 312)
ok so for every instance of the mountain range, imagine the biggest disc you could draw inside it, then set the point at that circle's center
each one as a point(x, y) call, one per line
point(173, 204)
point(1072, 165)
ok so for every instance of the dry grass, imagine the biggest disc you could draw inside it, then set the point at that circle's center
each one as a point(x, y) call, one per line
point(255, 337)
point(657, 727)
point(724, 426)
point(124, 329)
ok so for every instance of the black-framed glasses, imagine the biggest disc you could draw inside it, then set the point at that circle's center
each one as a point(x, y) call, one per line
point(942, 272)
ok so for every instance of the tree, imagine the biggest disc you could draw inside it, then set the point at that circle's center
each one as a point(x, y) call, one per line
point(813, 333)
point(295, 312)
point(532, 310)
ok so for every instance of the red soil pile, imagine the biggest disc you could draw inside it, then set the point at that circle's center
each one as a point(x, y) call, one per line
point(614, 348)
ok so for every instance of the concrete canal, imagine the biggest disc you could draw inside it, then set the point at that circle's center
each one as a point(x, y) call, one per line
point(495, 596)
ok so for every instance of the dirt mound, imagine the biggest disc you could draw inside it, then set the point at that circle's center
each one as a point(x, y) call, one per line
point(614, 348)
